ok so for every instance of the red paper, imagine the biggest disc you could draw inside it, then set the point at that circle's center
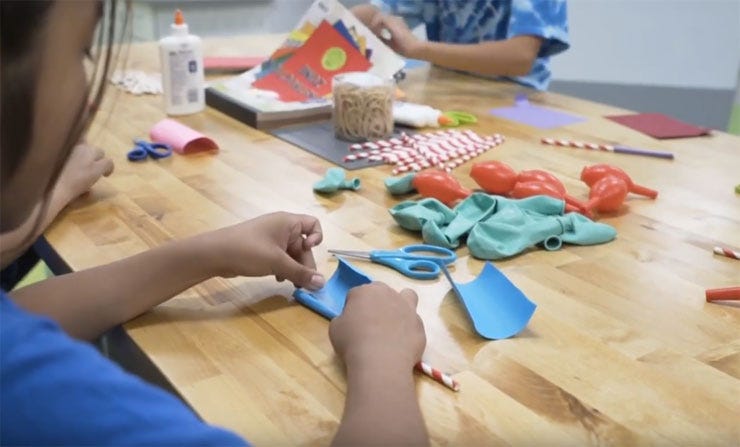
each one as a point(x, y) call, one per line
point(308, 73)
point(659, 126)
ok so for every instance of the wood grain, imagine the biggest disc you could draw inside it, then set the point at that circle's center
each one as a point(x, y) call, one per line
point(623, 349)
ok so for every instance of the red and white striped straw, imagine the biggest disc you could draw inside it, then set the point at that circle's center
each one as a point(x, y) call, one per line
point(439, 376)
point(577, 144)
point(727, 252)
point(608, 148)
point(444, 149)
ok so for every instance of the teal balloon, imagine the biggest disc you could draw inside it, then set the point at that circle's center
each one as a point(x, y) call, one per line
point(412, 215)
point(334, 180)
point(497, 227)
point(400, 185)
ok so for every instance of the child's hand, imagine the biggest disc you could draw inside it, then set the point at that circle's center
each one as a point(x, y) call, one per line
point(395, 33)
point(85, 165)
point(379, 326)
point(274, 244)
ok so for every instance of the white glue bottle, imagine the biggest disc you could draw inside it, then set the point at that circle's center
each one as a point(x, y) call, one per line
point(181, 57)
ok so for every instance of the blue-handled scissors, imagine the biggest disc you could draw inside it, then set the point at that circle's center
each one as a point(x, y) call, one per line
point(143, 149)
point(415, 261)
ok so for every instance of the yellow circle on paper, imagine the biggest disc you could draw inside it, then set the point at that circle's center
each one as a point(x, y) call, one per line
point(334, 58)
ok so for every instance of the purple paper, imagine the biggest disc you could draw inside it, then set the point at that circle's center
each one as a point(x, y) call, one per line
point(535, 116)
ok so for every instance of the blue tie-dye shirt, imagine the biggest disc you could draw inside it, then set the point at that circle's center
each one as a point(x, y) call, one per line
point(474, 21)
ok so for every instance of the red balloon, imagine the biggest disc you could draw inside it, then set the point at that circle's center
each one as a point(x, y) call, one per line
point(535, 188)
point(441, 186)
point(538, 175)
point(494, 177)
point(592, 174)
point(607, 194)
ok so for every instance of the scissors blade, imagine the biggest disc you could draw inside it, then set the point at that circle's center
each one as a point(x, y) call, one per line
point(351, 253)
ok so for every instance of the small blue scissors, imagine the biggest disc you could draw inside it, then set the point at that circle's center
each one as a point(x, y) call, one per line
point(144, 149)
point(415, 261)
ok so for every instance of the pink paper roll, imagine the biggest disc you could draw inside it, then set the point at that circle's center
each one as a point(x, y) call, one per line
point(182, 138)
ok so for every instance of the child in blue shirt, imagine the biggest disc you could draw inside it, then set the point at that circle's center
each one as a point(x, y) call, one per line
point(507, 38)
point(55, 390)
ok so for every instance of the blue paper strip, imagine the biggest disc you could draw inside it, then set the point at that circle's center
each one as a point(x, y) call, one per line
point(329, 301)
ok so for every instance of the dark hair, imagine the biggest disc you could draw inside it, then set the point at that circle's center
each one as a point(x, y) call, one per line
point(20, 22)
point(18, 77)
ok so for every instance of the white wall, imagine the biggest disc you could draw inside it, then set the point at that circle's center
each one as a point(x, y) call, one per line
point(152, 18)
point(678, 43)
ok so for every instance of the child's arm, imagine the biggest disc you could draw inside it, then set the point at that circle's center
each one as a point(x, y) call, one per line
point(510, 57)
point(365, 13)
point(89, 302)
point(85, 165)
point(380, 338)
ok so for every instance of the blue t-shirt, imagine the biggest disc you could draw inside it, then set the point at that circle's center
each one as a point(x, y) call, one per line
point(475, 21)
point(58, 391)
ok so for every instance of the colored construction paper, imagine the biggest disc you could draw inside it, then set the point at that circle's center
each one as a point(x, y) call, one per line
point(659, 126)
point(497, 308)
point(334, 180)
point(269, 66)
point(329, 301)
point(535, 116)
point(182, 138)
point(342, 29)
point(308, 72)
point(308, 28)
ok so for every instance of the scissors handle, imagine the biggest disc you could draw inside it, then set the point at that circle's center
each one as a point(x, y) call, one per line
point(138, 153)
point(159, 150)
point(144, 149)
point(413, 268)
point(438, 254)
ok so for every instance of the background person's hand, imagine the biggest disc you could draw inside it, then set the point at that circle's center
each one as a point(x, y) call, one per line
point(379, 327)
point(85, 165)
point(277, 244)
point(394, 32)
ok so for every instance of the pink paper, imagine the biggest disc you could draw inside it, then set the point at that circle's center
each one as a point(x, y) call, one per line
point(182, 138)
point(231, 63)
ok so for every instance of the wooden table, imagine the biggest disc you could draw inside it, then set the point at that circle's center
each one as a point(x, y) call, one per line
point(622, 350)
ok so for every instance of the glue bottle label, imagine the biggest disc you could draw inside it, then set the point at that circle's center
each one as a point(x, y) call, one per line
point(184, 83)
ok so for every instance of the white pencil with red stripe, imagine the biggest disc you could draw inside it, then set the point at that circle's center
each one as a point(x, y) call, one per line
point(727, 252)
point(439, 376)
point(607, 148)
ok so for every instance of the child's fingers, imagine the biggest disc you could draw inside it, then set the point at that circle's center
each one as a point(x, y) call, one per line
point(104, 166)
point(99, 153)
point(306, 258)
point(297, 273)
point(376, 24)
point(410, 297)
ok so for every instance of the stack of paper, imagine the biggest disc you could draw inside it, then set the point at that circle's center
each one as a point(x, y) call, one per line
point(294, 84)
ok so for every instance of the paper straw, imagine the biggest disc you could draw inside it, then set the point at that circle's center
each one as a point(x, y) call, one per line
point(727, 252)
point(727, 293)
point(442, 149)
point(607, 148)
point(439, 376)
